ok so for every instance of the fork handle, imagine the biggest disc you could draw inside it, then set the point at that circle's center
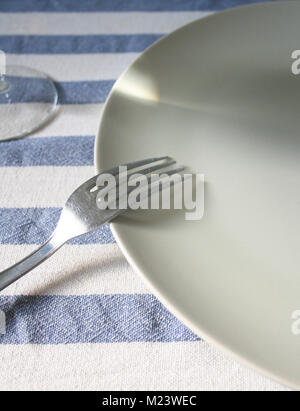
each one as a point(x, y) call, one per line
point(17, 271)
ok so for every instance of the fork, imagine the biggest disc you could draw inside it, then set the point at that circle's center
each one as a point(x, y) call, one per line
point(81, 215)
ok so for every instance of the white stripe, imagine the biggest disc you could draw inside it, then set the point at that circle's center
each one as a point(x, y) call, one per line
point(76, 67)
point(126, 366)
point(40, 186)
point(94, 23)
point(74, 270)
point(73, 120)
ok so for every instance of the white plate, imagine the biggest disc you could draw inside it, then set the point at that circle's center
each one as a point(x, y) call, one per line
point(219, 96)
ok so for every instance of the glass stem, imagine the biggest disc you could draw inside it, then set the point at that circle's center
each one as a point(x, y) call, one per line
point(4, 85)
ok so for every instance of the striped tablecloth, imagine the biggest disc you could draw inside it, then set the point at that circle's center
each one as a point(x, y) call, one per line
point(84, 320)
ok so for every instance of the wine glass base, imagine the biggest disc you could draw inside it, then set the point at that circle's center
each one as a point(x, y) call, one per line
point(28, 99)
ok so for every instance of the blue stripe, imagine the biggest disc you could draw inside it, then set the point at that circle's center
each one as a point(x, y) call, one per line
point(89, 319)
point(37, 90)
point(48, 151)
point(77, 44)
point(83, 92)
point(118, 5)
point(35, 226)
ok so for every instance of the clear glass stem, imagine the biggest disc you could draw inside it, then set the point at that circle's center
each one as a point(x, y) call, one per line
point(4, 85)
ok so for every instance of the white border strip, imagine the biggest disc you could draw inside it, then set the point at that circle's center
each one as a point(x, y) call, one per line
point(76, 67)
point(126, 366)
point(95, 23)
point(74, 270)
point(73, 120)
point(49, 186)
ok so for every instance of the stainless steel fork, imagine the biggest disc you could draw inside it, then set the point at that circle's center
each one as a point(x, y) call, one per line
point(81, 215)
